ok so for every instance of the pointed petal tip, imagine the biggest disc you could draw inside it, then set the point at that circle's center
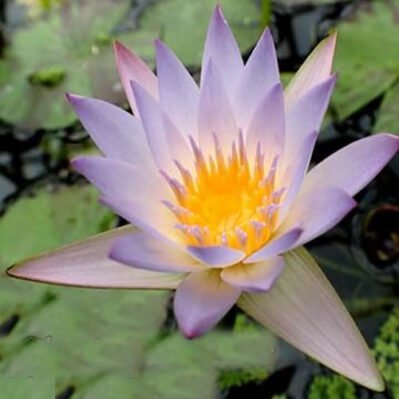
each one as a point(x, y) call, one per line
point(266, 37)
point(159, 44)
point(122, 52)
point(218, 17)
point(72, 98)
point(85, 264)
point(190, 333)
point(120, 48)
point(332, 36)
point(116, 44)
point(162, 51)
point(16, 271)
point(304, 309)
point(329, 43)
point(19, 272)
point(11, 271)
point(375, 382)
point(218, 10)
point(77, 163)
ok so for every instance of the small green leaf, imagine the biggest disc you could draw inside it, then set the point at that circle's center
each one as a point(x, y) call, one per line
point(331, 387)
point(183, 25)
point(386, 350)
point(367, 58)
point(388, 114)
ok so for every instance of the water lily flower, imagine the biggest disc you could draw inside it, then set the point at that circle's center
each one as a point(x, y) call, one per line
point(215, 180)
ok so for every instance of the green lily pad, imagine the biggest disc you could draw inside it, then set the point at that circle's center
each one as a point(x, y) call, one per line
point(388, 114)
point(293, 4)
point(27, 388)
point(69, 51)
point(101, 343)
point(367, 58)
point(37, 224)
point(179, 366)
point(183, 25)
point(38, 8)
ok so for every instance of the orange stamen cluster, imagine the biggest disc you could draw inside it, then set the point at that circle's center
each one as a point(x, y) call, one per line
point(228, 201)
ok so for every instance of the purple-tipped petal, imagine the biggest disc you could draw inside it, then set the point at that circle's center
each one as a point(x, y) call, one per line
point(317, 212)
point(355, 165)
point(221, 47)
point(316, 69)
point(86, 264)
point(117, 178)
point(278, 245)
point(256, 277)
point(131, 67)
point(216, 256)
point(131, 193)
point(215, 113)
point(151, 218)
point(260, 74)
point(294, 173)
point(201, 300)
point(143, 251)
point(303, 308)
point(116, 133)
point(178, 92)
point(267, 126)
point(166, 142)
point(306, 116)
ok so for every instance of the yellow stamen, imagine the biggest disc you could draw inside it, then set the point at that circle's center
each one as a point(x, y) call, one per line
point(227, 202)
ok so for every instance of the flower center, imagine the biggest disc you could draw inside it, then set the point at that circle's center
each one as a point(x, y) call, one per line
point(229, 201)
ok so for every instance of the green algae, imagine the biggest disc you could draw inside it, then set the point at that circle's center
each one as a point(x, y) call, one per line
point(331, 387)
point(386, 351)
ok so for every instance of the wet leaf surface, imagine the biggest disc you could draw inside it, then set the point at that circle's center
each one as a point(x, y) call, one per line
point(97, 343)
point(387, 120)
point(367, 56)
point(71, 51)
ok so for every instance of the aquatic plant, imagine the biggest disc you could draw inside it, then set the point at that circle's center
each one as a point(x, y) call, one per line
point(238, 377)
point(215, 179)
point(331, 387)
point(386, 350)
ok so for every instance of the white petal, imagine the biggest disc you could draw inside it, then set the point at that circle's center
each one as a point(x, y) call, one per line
point(86, 264)
point(303, 308)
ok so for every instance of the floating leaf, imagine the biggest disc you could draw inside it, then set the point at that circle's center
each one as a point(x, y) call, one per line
point(388, 114)
point(179, 366)
point(69, 51)
point(101, 343)
point(367, 56)
point(182, 24)
point(293, 4)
